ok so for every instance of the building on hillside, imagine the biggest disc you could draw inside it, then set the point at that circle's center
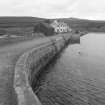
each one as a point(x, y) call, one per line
point(60, 27)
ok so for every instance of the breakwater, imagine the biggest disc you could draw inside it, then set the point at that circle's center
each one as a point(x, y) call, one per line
point(29, 65)
point(77, 77)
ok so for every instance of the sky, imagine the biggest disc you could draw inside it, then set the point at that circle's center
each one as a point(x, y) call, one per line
point(87, 9)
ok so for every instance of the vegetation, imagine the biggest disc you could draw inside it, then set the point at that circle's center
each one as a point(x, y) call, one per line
point(44, 28)
point(18, 25)
point(85, 25)
point(28, 25)
point(19, 21)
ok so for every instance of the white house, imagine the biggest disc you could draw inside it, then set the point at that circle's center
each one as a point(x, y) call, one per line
point(60, 27)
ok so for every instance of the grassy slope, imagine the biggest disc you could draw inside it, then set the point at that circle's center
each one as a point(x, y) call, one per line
point(19, 21)
point(87, 25)
point(18, 25)
point(24, 25)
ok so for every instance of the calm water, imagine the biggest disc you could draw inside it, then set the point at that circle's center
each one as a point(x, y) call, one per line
point(78, 76)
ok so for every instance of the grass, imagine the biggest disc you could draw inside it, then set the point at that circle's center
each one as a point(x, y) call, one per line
point(85, 25)
point(13, 40)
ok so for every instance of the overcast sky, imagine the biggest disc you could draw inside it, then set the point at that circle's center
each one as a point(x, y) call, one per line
point(90, 9)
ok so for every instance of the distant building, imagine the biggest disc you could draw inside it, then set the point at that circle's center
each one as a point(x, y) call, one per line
point(60, 27)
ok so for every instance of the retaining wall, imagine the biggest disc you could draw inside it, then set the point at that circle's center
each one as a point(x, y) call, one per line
point(29, 65)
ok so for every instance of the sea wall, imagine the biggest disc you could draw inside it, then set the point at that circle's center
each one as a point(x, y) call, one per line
point(29, 66)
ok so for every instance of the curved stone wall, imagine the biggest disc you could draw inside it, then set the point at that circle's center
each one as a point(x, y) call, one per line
point(29, 65)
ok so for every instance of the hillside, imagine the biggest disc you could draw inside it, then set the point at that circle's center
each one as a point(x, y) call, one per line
point(25, 25)
point(18, 25)
point(85, 25)
point(19, 21)
point(81, 24)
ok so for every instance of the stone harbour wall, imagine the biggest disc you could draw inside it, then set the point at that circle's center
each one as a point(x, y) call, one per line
point(29, 66)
